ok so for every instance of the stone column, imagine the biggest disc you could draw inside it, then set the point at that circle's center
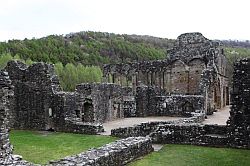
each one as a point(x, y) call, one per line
point(163, 79)
point(159, 75)
point(152, 78)
point(121, 80)
point(148, 78)
point(169, 82)
point(134, 83)
point(127, 80)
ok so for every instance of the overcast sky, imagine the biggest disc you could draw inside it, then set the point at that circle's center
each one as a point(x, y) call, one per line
point(215, 19)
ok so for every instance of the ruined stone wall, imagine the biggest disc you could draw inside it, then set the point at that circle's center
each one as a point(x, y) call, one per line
point(195, 134)
point(6, 105)
point(39, 103)
point(35, 89)
point(152, 101)
point(235, 134)
point(117, 153)
point(177, 132)
point(175, 76)
point(129, 106)
point(146, 100)
point(145, 129)
point(183, 72)
point(100, 102)
point(179, 105)
point(239, 121)
point(5, 93)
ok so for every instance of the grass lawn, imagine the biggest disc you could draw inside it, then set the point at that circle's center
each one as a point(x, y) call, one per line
point(40, 147)
point(188, 155)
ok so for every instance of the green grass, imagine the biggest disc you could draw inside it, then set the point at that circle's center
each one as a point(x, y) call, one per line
point(188, 155)
point(39, 148)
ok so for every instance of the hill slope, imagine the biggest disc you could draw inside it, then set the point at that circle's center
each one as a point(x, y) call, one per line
point(78, 57)
point(89, 48)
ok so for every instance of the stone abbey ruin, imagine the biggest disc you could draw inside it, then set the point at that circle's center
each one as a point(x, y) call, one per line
point(191, 83)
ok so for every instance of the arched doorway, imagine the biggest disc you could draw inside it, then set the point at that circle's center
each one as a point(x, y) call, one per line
point(88, 112)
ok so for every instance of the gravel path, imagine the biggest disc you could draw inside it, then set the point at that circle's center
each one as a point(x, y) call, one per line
point(220, 117)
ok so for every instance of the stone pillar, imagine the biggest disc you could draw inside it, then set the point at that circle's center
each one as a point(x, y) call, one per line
point(127, 80)
point(134, 83)
point(169, 82)
point(121, 80)
point(163, 80)
point(152, 78)
point(160, 79)
point(188, 82)
point(148, 78)
point(221, 93)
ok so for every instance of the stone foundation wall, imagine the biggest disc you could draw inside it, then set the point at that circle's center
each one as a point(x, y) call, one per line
point(177, 132)
point(145, 129)
point(239, 121)
point(117, 153)
point(82, 128)
point(195, 134)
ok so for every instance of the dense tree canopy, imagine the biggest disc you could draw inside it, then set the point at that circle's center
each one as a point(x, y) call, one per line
point(78, 57)
point(87, 48)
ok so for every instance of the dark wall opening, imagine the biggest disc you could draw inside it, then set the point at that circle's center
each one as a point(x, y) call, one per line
point(88, 112)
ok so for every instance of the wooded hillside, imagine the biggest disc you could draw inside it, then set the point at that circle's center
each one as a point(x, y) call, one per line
point(78, 57)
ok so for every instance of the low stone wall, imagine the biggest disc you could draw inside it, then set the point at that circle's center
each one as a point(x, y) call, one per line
point(142, 129)
point(145, 129)
point(183, 131)
point(82, 128)
point(117, 153)
point(196, 134)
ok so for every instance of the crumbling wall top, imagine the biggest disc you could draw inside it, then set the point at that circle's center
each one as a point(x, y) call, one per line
point(40, 74)
point(190, 38)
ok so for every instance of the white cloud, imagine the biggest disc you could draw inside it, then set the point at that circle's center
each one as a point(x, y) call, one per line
point(222, 19)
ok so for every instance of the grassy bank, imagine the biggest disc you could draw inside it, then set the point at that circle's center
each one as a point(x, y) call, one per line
point(40, 147)
point(189, 155)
